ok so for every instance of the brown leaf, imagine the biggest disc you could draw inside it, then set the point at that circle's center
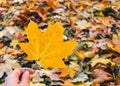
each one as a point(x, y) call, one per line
point(101, 76)
point(118, 81)
point(95, 84)
point(42, 13)
point(1, 45)
point(117, 60)
point(1, 60)
point(52, 3)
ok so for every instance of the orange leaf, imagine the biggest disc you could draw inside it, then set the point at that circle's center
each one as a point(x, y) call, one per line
point(67, 71)
point(80, 54)
point(68, 83)
point(52, 3)
point(47, 48)
point(42, 13)
point(95, 84)
point(104, 1)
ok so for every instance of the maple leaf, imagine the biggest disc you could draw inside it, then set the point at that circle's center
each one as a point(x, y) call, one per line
point(47, 48)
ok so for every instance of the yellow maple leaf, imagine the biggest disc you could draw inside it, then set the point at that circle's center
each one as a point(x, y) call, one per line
point(47, 47)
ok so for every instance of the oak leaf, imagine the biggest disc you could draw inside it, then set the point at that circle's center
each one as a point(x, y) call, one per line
point(48, 47)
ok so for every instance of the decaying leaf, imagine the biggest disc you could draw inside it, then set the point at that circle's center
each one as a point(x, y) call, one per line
point(47, 48)
point(67, 71)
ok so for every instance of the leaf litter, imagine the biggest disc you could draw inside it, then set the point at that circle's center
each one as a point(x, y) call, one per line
point(93, 24)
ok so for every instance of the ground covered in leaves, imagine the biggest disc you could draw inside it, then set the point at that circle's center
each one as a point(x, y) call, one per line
point(93, 24)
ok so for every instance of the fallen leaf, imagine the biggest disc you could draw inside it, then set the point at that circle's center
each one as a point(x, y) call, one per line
point(74, 66)
point(116, 60)
point(14, 43)
point(1, 1)
point(47, 48)
point(1, 45)
point(68, 83)
point(55, 77)
point(101, 60)
point(118, 81)
point(52, 3)
point(8, 65)
point(36, 84)
point(67, 71)
point(81, 77)
point(3, 50)
point(95, 84)
point(104, 1)
point(101, 76)
point(42, 13)
point(80, 84)
point(113, 45)
point(80, 54)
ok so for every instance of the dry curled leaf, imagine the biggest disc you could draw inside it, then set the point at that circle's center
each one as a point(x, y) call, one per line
point(47, 48)
point(101, 76)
